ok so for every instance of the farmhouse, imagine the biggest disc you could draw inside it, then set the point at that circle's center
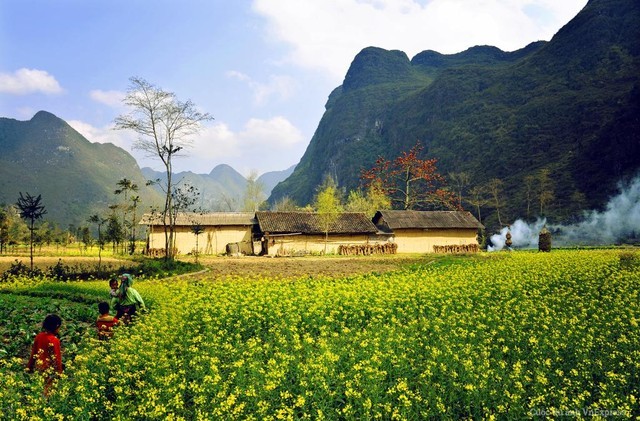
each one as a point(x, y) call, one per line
point(291, 233)
point(219, 229)
point(429, 231)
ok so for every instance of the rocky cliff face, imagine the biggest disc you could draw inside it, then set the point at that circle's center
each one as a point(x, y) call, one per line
point(568, 106)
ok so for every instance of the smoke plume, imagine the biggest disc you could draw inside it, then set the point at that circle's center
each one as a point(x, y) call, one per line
point(618, 223)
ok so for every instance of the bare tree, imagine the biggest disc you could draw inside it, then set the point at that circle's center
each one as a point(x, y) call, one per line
point(495, 188)
point(546, 193)
point(529, 183)
point(478, 199)
point(254, 196)
point(165, 126)
point(460, 180)
point(285, 204)
point(96, 219)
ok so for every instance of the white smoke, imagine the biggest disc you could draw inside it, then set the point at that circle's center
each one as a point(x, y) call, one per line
point(619, 222)
point(523, 235)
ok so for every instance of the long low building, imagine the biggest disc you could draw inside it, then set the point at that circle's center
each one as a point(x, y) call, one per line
point(290, 233)
point(218, 230)
point(429, 231)
point(297, 233)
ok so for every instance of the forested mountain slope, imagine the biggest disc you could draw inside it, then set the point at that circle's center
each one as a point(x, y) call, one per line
point(76, 178)
point(562, 113)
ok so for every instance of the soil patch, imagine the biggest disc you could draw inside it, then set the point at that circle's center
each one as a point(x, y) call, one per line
point(296, 267)
point(44, 262)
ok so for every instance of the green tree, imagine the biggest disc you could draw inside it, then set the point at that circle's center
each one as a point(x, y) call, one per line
point(328, 206)
point(197, 229)
point(114, 232)
point(134, 220)
point(4, 229)
point(31, 209)
point(165, 126)
point(86, 237)
point(368, 202)
point(126, 187)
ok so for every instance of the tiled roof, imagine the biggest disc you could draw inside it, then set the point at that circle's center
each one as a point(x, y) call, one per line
point(311, 223)
point(206, 219)
point(405, 219)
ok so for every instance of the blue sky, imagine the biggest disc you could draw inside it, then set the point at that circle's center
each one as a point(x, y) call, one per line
point(262, 68)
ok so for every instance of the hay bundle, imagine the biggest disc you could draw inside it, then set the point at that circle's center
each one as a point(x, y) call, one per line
point(457, 248)
point(544, 240)
point(367, 249)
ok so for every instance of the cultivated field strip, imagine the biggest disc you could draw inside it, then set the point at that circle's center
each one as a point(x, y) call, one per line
point(508, 336)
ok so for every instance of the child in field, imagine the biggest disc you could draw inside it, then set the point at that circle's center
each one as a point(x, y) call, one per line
point(113, 284)
point(113, 294)
point(46, 355)
point(105, 322)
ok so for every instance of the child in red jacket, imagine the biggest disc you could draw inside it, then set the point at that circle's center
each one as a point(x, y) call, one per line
point(105, 322)
point(46, 355)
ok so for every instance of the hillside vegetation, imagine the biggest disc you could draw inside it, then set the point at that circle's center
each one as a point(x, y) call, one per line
point(562, 113)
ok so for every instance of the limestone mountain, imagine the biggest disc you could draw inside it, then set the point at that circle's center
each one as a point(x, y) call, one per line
point(569, 108)
point(76, 178)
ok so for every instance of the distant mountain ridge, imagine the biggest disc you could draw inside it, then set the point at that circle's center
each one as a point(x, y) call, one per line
point(569, 106)
point(77, 178)
point(223, 188)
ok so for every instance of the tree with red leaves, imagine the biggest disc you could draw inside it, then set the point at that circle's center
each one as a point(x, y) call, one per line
point(410, 182)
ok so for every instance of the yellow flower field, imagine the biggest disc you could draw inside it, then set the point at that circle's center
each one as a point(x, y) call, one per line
point(506, 336)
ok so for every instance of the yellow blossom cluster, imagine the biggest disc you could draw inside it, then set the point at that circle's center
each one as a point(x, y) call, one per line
point(502, 336)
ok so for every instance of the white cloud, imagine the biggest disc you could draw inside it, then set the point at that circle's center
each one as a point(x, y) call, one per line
point(327, 34)
point(262, 145)
point(106, 134)
point(110, 98)
point(27, 81)
point(278, 86)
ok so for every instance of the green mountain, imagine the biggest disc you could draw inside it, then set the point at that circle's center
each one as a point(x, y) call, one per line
point(569, 106)
point(76, 178)
point(271, 179)
point(220, 190)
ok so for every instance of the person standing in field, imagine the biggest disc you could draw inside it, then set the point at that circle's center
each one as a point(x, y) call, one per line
point(46, 353)
point(105, 322)
point(128, 299)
